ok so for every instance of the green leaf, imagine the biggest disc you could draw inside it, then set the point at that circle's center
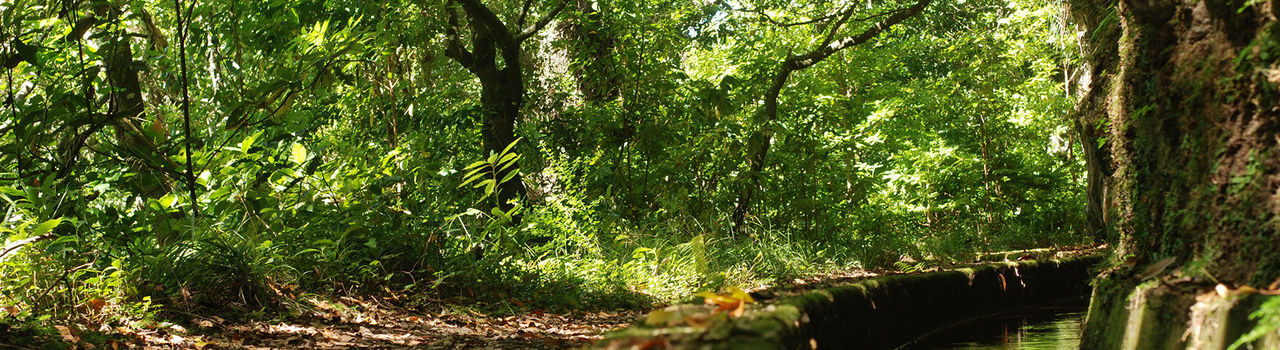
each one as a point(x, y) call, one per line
point(298, 153)
point(509, 176)
point(249, 140)
point(507, 158)
point(46, 226)
point(471, 177)
point(639, 252)
point(26, 52)
point(509, 147)
point(167, 201)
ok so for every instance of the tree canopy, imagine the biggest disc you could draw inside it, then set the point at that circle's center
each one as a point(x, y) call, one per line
point(223, 154)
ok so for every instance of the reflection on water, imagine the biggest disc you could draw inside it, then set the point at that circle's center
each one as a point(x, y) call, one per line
point(1045, 328)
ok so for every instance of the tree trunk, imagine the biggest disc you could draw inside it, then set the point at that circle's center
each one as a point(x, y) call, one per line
point(760, 140)
point(501, 97)
point(596, 71)
point(502, 86)
point(1189, 172)
point(125, 107)
point(1089, 17)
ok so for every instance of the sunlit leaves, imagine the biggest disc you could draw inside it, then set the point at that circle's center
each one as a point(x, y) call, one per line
point(45, 227)
point(491, 172)
point(297, 153)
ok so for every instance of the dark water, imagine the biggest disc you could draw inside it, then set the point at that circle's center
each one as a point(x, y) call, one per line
point(1043, 328)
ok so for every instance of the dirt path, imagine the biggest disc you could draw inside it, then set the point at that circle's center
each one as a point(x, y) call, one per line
point(350, 324)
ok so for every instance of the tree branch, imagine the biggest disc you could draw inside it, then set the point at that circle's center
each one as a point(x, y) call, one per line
point(537, 27)
point(481, 14)
point(524, 12)
point(824, 51)
point(760, 140)
point(772, 21)
point(14, 247)
point(456, 49)
point(835, 28)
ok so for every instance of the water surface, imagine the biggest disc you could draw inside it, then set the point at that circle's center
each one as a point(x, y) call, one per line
point(1042, 328)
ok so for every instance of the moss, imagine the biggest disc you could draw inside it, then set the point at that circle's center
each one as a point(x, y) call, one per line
point(883, 311)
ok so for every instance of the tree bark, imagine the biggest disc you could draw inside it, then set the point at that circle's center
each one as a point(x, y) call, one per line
point(1089, 17)
point(501, 85)
point(597, 73)
point(1187, 176)
point(124, 107)
point(759, 142)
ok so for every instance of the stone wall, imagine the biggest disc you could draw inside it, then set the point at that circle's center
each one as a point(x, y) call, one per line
point(876, 313)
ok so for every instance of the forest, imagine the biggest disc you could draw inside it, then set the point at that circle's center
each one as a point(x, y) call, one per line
point(535, 173)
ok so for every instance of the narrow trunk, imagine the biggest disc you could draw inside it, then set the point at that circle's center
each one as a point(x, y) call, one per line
point(759, 142)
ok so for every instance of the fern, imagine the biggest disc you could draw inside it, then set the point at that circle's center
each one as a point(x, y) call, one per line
point(1268, 318)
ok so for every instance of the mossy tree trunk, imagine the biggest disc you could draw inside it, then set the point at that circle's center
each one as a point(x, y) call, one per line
point(1180, 100)
point(494, 57)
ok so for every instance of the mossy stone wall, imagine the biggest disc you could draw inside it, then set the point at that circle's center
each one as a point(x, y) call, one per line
point(876, 313)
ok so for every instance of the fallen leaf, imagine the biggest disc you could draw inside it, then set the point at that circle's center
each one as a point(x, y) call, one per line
point(1156, 268)
point(96, 304)
point(654, 343)
point(68, 334)
point(698, 320)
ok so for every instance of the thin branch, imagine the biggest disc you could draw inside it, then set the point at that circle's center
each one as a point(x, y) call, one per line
point(524, 12)
point(817, 55)
point(186, 105)
point(835, 28)
point(14, 247)
point(481, 14)
point(772, 21)
point(456, 49)
point(537, 27)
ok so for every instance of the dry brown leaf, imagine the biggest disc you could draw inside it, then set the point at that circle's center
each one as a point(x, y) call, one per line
point(654, 343)
point(698, 320)
point(96, 304)
point(68, 334)
point(1156, 268)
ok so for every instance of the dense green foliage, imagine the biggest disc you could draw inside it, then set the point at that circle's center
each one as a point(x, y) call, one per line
point(336, 147)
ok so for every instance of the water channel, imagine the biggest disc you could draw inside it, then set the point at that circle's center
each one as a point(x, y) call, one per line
point(1050, 327)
